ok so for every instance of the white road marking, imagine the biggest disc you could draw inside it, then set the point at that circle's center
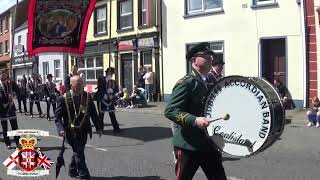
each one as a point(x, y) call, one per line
point(87, 145)
point(233, 178)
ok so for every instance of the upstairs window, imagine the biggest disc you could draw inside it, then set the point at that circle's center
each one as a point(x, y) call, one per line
point(100, 20)
point(203, 6)
point(147, 12)
point(125, 17)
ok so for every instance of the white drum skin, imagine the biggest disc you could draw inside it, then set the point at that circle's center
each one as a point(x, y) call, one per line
point(251, 115)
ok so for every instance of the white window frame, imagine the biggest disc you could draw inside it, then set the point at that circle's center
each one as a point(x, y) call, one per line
point(126, 14)
point(260, 3)
point(59, 68)
point(95, 68)
point(143, 57)
point(101, 20)
point(203, 10)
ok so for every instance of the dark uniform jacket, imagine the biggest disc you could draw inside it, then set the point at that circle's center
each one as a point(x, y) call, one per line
point(50, 90)
point(34, 88)
point(7, 107)
point(23, 94)
point(187, 103)
point(85, 108)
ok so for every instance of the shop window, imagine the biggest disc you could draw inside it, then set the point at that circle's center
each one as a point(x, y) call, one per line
point(92, 67)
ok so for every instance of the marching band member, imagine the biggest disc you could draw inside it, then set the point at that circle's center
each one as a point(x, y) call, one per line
point(72, 118)
point(33, 89)
point(22, 95)
point(214, 74)
point(105, 83)
point(50, 92)
point(7, 107)
point(192, 145)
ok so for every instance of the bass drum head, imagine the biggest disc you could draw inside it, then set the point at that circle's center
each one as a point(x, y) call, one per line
point(252, 105)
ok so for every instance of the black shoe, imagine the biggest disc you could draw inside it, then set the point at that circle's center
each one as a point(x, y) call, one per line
point(73, 175)
point(41, 115)
point(20, 111)
point(118, 130)
point(31, 116)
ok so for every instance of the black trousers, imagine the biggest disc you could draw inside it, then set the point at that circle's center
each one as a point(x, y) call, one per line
point(14, 126)
point(38, 106)
point(113, 119)
point(188, 163)
point(24, 101)
point(78, 164)
point(48, 107)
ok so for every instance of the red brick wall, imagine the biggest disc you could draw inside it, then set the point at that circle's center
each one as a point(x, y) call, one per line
point(5, 35)
point(311, 49)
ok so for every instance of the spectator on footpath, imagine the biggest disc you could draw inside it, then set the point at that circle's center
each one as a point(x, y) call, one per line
point(284, 94)
point(137, 98)
point(124, 99)
point(314, 114)
point(141, 73)
point(149, 84)
point(61, 88)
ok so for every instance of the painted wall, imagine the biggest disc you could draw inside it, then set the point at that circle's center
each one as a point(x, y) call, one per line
point(240, 27)
point(23, 34)
point(114, 32)
point(50, 57)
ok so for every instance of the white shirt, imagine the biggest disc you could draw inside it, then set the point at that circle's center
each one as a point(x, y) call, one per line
point(148, 78)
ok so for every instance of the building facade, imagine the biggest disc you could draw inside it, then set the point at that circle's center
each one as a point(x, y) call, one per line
point(253, 37)
point(52, 63)
point(125, 35)
point(5, 38)
point(22, 64)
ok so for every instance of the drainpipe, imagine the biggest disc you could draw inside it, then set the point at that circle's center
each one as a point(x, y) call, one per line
point(110, 32)
point(161, 50)
point(305, 66)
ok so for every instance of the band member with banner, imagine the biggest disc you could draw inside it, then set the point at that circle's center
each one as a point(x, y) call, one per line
point(104, 85)
point(22, 95)
point(34, 88)
point(7, 107)
point(50, 93)
point(192, 145)
point(72, 118)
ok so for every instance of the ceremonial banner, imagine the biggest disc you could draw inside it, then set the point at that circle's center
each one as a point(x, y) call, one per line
point(58, 25)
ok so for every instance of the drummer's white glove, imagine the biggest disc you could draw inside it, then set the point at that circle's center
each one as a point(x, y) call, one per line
point(201, 122)
point(48, 98)
point(31, 92)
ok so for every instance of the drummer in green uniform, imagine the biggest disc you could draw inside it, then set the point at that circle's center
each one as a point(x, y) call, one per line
point(192, 145)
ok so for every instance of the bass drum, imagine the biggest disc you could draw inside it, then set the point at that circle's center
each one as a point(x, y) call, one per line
point(256, 112)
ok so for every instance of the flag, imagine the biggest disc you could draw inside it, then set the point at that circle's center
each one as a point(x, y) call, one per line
point(12, 160)
point(58, 25)
point(44, 161)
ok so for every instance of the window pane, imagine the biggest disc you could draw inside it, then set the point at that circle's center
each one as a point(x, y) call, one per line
point(99, 73)
point(216, 46)
point(126, 21)
point(147, 58)
point(195, 5)
point(101, 26)
point(90, 74)
point(90, 63)
point(57, 64)
point(99, 61)
point(57, 73)
point(144, 17)
point(80, 62)
point(211, 4)
point(125, 7)
point(101, 13)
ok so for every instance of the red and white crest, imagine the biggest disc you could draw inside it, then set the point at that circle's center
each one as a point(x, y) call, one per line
point(28, 160)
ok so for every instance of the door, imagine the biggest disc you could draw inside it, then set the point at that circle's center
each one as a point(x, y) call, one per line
point(273, 56)
point(126, 71)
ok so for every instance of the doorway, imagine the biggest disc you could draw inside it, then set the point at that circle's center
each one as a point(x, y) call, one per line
point(274, 60)
point(126, 71)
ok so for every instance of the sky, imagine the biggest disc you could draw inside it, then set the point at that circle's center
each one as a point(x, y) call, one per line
point(6, 4)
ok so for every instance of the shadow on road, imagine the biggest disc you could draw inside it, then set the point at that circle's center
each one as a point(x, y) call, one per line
point(128, 178)
point(143, 133)
point(230, 159)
